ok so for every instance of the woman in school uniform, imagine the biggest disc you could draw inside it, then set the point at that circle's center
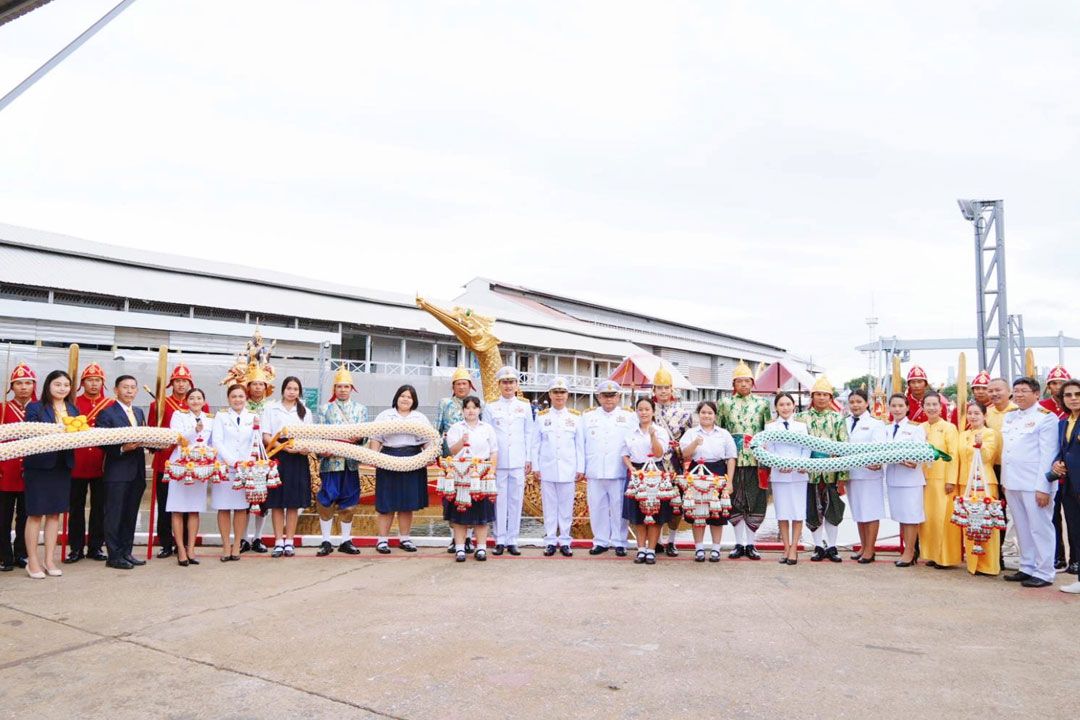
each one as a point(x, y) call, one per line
point(480, 438)
point(294, 493)
point(866, 485)
point(714, 446)
point(906, 482)
point(185, 502)
point(940, 542)
point(399, 492)
point(233, 436)
point(647, 441)
point(48, 477)
point(987, 442)
point(788, 486)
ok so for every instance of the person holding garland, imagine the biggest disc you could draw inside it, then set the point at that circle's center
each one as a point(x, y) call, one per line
point(340, 476)
point(480, 439)
point(294, 493)
point(185, 501)
point(824, 503)
point(789, 487)
point(987, 442)
point(401, 492)
point(940, 541)
point(647, 441)
point(905, 481)
point(233, 435)
point(714, 447)
point(866, 485)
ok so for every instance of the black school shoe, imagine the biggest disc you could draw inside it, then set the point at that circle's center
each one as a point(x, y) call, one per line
point(549, 551)
point(513, 550)
point(499, 550)
point(737, 553)
point(834, 555)
point(670, 550)
point(752, 553)
point(1034, 582)
point(620, 552)
point(325, 548)
point(819, 554)
point(257, 545)
point(566, 551)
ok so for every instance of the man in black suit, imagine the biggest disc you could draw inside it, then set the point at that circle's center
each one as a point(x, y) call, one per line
point(125, 476)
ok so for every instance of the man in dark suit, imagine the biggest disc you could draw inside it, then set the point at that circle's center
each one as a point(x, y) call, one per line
point(1067, 465)
point(125, 476)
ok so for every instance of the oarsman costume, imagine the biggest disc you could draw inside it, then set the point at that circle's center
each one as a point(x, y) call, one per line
point(745, 414)
point(172, 403)
point(1030, 444)
point(676, 419)
point(512, 419)
point(824, 506)
point(340, 476)
point(12, 484)
point(979, 387)
point(600, 441)
point(554, 449)
point(1061, 500)
point(915, 396)
point(86, 476)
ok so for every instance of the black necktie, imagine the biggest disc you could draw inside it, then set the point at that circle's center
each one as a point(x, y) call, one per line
point(238, 421)
point(895, 429)
point(785, 425)
point(854, 422)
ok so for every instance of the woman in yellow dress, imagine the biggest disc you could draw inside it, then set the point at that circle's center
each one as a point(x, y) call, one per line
point(940, 541)
point(988, 440)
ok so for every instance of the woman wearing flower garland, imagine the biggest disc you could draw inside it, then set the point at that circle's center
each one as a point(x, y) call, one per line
point(480, 438)
point(987, 441)
point(185, 502)
point(939, 540)
point(648, 440)
point(905, 481)
point(714, 446)
point(788, 486)
point(294, 493)
point(233, 436)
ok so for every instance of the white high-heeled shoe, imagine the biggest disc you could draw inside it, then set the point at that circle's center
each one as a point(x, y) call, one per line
point(54, 572)
point(35, 575)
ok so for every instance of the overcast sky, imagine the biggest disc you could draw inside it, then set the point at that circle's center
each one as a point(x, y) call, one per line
point(766, 169)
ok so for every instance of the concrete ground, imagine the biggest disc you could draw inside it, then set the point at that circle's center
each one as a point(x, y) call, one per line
point(419, 636)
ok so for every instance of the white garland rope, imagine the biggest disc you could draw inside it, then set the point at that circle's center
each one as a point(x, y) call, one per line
point(59, 439)
point(833, 456)
point(336, 441)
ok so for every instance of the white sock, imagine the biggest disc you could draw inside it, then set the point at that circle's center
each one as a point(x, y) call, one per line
point(818, 536)
point(751, 536)
point(460, 547)
point(740, 533)
point(830, 532)
point(709, 546)
point(699, 546)
point(346, 532)
point(257, 527)
point(403, 538)
point(381, 539)
point(324, 526)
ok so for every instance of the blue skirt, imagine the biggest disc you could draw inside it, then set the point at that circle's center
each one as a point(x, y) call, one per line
point(48, 492)
point(480, 513)
point(295, 488)
point(401, 491)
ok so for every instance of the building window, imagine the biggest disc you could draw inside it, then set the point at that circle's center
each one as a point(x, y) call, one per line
point(209, 313)
point(9, 291)
point(105, 302)
point(159, 308)
point(452, 357)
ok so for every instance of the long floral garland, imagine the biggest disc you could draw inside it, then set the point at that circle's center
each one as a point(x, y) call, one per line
point(833, 456)
point(38, 438)
point(337, 440)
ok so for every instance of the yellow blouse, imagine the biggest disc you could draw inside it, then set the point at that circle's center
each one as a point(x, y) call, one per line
point(944, 437)
point(996, 418)
point(991, 454)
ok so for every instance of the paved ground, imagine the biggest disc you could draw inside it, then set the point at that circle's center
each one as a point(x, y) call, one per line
point(422, 637)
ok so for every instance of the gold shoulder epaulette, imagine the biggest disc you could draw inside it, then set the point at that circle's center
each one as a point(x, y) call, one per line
point(543, 412)
point(574, 412)
point(209, 416)
point(1043, 410)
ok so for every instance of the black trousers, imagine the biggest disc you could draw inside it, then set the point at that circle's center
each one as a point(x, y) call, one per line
point(77, 519)
point(1068, 503)
point(164, 519)
point(12, 507)
point(122, 500)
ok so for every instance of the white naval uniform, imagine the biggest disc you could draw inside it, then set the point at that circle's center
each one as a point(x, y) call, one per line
point(600, 440)
point(906, 485)
point(233, 441)
point(554, 449)
point(1029, 446)
point(788, 488)
point(513, 422)
point(866, 487)
point(185, 498)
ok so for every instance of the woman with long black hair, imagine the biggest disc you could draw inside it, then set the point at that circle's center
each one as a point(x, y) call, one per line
point(294, 493)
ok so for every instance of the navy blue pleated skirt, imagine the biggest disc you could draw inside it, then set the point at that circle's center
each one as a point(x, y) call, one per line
point(401, 491)
point(295, 489)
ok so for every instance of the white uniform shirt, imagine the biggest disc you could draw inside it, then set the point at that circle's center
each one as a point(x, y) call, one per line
point(1029, 446)
point(867, 430)
point(276, 417)
point(482, 440)
point(600, 437)
point(638, 444)
point(401, 439)
point(717, 444)
point(184, 424)
point(513, 422)
point(233, 440)
point(898, 475)
point(786, 450)
point(554, 444)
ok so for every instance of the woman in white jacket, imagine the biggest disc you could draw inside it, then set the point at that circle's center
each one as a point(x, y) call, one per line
point(233, 436)
point(788, 486)
point(906, 481)
point(186, 501)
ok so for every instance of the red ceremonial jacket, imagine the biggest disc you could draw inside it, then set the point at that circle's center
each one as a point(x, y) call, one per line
point(917, 415)
point(90, 462)
point(11, 471)
point(1051, 405)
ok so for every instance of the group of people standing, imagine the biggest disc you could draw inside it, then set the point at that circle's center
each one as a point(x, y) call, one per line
point(1027, 446)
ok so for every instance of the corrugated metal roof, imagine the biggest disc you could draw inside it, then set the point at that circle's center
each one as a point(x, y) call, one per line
point(17, 8)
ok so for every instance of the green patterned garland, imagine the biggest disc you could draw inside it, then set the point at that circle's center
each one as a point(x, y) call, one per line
point(832, 456)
